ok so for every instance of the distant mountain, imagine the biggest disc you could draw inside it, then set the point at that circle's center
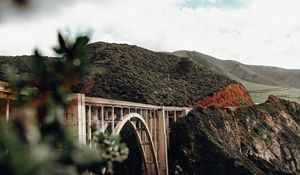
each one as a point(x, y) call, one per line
point(273, 76)
point(260, 81)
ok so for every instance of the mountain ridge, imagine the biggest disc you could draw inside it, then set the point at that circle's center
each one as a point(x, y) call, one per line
point(259, 74)
point(260, 81)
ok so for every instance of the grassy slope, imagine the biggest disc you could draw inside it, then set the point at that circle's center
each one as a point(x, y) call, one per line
point(260, 81)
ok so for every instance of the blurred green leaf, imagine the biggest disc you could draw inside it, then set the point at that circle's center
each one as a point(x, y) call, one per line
point(62, 42)
point(35, 142)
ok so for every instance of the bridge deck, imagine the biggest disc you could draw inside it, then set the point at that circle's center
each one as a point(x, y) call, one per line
point(118, 103)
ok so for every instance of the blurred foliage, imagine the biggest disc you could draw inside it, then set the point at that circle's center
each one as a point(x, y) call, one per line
point(114, 150)
point(21, 2)
point(34, 141)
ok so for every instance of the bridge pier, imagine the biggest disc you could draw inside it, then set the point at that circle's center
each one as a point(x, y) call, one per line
point(162, 151)
point(5, 108)
point(75, 118)
point(6, 97)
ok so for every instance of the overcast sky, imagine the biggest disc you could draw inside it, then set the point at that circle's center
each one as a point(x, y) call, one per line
point(261, 32)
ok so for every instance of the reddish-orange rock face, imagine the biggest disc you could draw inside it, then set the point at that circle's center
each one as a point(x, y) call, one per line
point(232, 95)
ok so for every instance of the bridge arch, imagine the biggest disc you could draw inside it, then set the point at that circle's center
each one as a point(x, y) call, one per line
point(145, 141)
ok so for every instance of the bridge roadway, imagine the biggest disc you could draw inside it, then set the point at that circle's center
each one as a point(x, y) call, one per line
point(86, 116)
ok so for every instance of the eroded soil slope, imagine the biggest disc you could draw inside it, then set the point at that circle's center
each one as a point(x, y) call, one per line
point(232, 95)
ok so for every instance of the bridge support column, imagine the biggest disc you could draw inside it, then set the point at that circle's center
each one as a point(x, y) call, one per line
point(162, 150)
point(7, 108)
point(75, 118)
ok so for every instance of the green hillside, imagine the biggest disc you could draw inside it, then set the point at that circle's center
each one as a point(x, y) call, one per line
point(132, 73)
point(125, 72)
point(260, 81)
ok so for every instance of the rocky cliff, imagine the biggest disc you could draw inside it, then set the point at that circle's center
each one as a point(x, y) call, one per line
point(261, 139)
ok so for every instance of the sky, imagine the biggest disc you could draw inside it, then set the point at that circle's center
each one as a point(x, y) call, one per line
point(257, 32)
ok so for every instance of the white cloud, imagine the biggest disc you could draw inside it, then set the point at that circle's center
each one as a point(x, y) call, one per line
point(262, 32)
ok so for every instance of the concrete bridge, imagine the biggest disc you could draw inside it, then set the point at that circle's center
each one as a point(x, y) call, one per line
point(87, 115)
